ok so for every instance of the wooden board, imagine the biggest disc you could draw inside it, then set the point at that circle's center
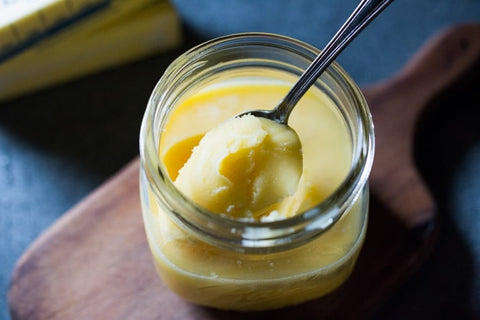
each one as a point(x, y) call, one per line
point(94, 262)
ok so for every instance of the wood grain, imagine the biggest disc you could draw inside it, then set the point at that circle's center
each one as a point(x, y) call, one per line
point(396, 105)
point(94, 263)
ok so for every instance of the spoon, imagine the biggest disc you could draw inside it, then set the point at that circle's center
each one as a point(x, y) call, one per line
point(363, 14)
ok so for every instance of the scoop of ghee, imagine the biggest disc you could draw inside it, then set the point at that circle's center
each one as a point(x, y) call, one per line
point(242, 167)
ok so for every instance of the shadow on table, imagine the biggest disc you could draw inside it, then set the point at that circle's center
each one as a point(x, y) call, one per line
point(92, 122)
point(444, 287)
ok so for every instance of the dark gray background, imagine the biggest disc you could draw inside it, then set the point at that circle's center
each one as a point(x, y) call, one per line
point(57, 145)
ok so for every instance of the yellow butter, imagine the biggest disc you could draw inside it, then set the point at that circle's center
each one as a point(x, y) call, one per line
point(213, 276)
point(242, 167)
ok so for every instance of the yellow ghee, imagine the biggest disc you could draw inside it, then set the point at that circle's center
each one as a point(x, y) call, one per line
point(209, 275)
point(243, 168)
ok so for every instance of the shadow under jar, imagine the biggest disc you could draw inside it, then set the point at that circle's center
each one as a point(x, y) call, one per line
point(240, 264)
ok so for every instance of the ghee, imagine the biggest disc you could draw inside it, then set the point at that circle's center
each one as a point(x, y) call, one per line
point(209, 268)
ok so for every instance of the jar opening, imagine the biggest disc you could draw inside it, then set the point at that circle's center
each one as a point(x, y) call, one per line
point(268, 51)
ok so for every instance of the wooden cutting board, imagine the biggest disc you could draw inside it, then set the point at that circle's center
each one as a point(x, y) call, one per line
point(94, 262)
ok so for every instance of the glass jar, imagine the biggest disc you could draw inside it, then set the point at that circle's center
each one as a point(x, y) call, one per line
point(227, 263)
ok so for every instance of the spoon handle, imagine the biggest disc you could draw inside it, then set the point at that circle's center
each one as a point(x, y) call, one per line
point(364, 13)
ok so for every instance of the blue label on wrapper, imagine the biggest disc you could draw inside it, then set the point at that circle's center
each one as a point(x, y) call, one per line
point(10, 49)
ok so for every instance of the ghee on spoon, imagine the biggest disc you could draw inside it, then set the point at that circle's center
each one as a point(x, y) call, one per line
point(253, 161)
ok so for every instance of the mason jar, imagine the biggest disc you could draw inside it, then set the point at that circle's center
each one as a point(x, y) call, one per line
point(242, 264)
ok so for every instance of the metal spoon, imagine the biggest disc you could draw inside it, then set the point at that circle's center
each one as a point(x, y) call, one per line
point(363, 14)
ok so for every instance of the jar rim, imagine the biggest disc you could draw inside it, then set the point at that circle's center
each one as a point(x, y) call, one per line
point(249, 235)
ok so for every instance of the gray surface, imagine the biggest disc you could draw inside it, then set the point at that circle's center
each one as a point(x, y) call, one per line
point(59, 144)
point(378, 51)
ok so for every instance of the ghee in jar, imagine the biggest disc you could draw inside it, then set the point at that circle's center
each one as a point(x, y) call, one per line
point(241, 277)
